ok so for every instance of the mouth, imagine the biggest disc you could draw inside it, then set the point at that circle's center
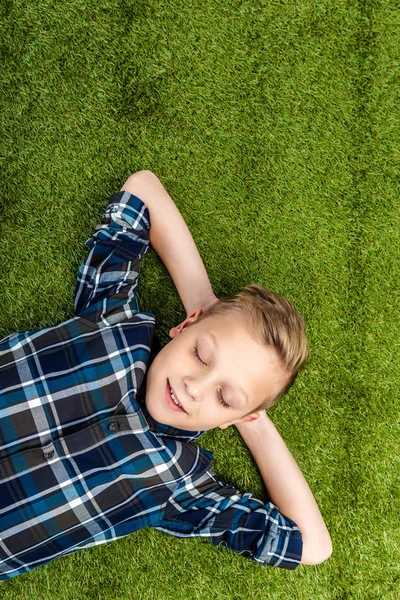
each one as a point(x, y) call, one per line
point(172, 399)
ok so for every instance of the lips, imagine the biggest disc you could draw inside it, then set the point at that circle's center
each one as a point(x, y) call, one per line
point(170, 401)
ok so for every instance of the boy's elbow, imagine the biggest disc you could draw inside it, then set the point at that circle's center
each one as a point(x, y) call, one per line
point(317, 551)
point(142, 182)
point(146, 175)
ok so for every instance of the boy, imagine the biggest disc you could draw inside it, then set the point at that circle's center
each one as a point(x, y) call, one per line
point(91, 451)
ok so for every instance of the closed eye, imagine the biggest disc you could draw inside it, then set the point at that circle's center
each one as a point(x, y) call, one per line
point(197, 355)
point(221, 399)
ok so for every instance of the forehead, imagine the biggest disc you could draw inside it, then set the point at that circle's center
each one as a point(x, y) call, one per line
point(241, 360)
point(229, 330)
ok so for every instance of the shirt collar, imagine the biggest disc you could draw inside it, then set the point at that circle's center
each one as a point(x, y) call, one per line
point(160, 429)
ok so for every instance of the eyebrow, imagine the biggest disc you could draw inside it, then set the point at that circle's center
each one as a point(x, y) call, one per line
point(216, 347)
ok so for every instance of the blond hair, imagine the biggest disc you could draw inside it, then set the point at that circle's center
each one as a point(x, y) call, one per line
point(275, 322)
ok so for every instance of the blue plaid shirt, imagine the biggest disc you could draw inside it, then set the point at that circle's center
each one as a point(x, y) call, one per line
point(81, 460)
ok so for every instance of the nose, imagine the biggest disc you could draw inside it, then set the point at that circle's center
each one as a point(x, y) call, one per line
point(194, 388)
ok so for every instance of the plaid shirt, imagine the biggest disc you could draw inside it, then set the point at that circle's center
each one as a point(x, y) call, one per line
point(81, 460)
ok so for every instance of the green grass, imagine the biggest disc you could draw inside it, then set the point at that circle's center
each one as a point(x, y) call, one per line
point(274, 126)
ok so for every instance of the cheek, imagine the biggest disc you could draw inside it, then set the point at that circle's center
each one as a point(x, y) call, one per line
point(157, 370)
point(170, 358)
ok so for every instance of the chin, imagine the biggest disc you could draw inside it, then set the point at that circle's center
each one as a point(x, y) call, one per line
point(152, 410)
point(157, 414)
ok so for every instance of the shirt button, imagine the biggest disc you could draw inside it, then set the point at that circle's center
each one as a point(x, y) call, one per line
point(113, 426)
point(49, 454)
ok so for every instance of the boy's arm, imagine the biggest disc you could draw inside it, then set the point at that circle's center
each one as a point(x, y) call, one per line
point(173, 242)
point(286, 486)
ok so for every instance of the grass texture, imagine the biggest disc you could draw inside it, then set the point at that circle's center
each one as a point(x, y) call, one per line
point(274, 125)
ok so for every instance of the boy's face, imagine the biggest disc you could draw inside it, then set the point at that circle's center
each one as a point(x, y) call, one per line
point(217, 372)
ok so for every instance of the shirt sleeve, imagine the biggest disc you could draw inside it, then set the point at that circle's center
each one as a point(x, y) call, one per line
point(206, 507)
point(106, 286)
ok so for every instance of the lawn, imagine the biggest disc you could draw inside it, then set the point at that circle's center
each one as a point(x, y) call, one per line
point(274, 125)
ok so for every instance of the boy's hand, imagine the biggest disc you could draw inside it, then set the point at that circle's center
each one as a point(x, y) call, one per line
point(209, 302)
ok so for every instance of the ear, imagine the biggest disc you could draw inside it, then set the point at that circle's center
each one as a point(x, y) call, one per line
point(188, 321)
point(247, 419)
